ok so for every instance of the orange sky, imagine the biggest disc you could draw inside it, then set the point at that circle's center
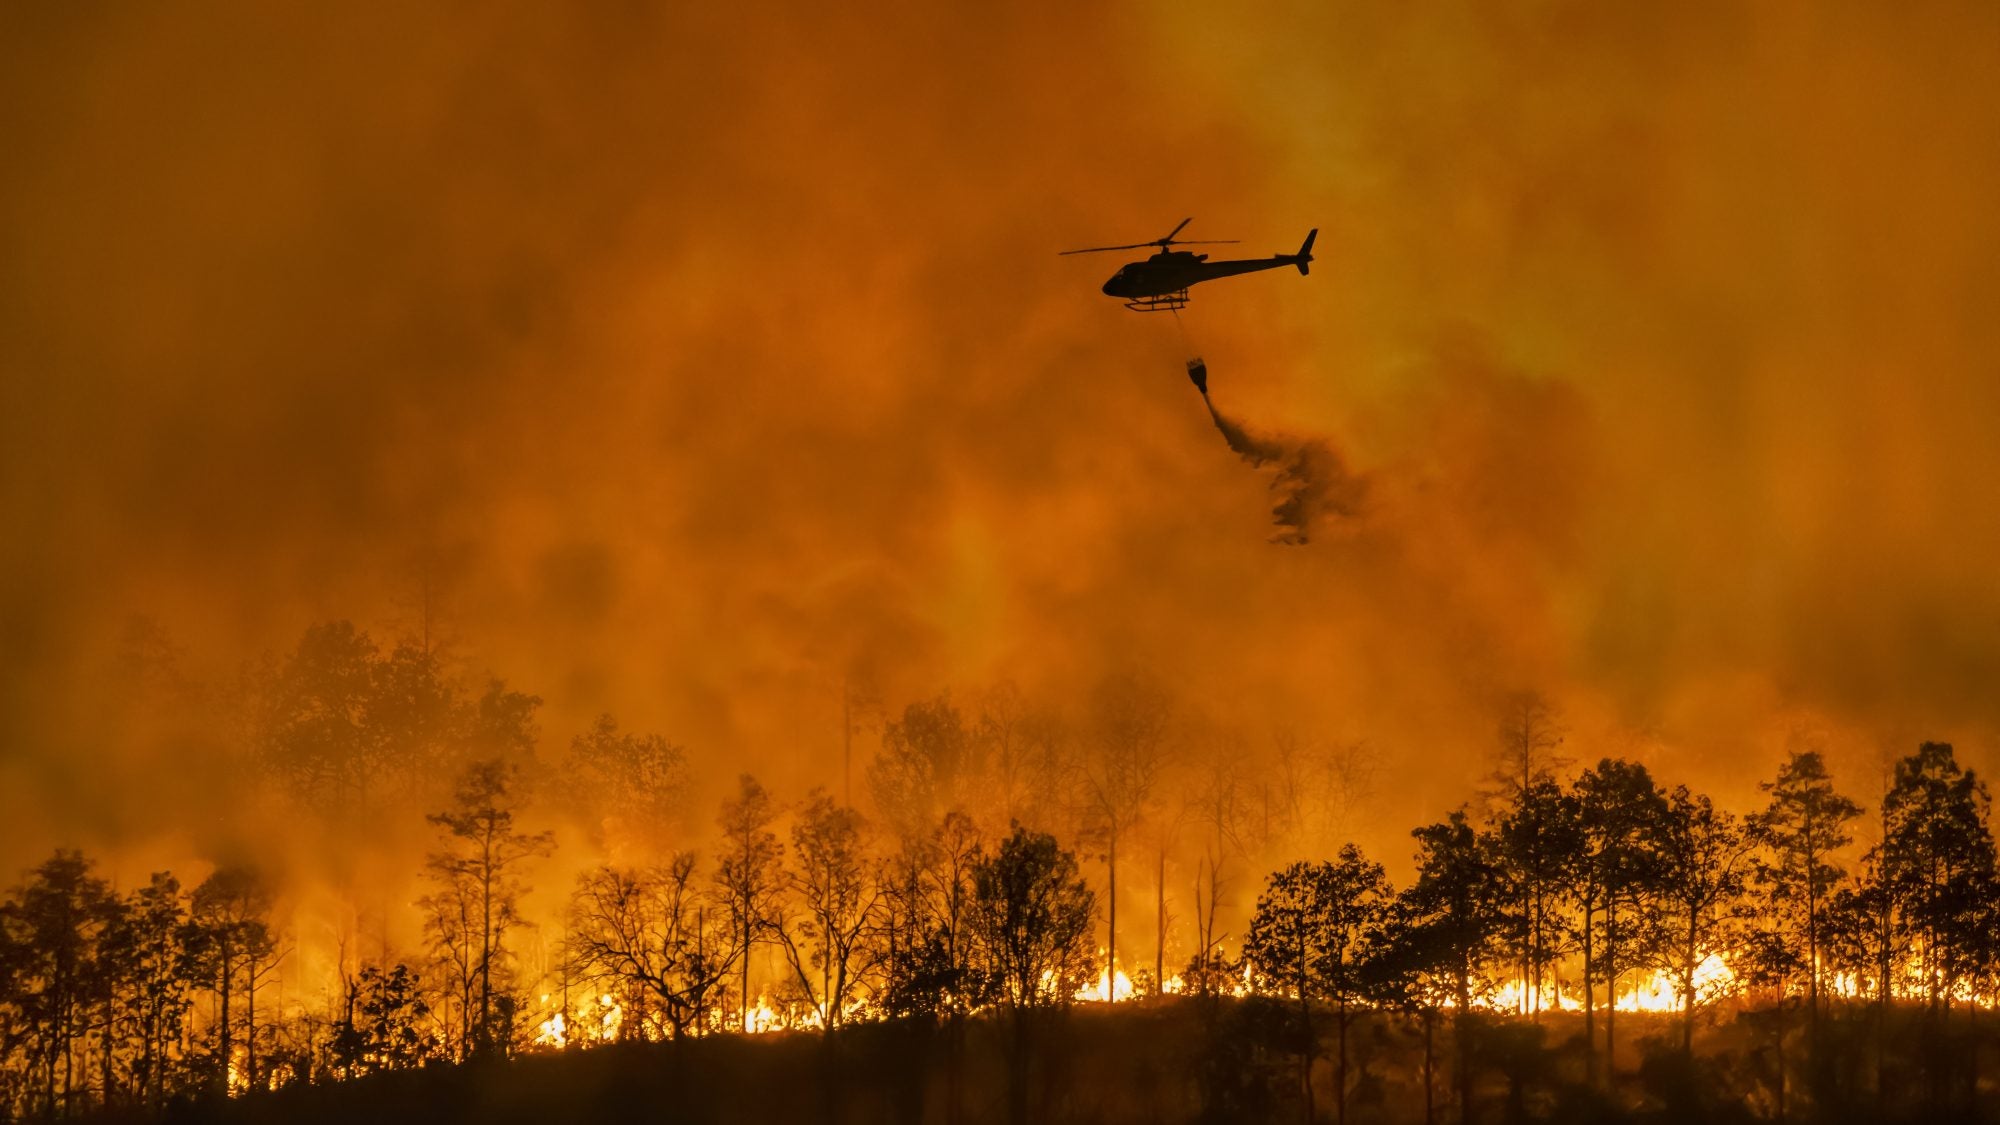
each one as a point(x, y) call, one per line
point(708, 354)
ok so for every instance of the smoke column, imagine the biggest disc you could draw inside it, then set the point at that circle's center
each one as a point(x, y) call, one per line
point(1311, 482)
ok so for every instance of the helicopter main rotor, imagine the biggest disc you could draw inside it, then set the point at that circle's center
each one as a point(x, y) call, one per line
point(1163, 243)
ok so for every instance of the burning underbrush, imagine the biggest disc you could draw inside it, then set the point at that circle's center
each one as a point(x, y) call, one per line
point(1218, 1059)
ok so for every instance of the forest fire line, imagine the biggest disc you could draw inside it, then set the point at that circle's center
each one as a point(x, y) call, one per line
point(598, 1020)
point(1607, 884)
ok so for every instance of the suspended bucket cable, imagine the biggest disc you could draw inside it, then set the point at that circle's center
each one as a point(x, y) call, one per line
point(1197, 369)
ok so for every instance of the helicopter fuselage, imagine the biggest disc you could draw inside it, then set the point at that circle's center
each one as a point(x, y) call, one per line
point(1174, 270)
point(1171, 271)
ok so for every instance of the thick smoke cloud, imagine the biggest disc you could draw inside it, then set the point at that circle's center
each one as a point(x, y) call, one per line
point(693, 363)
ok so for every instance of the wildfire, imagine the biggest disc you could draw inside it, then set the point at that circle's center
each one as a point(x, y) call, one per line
point(594, 1020)
point(764, 1018)
point(553, 1032)
point(1109, 988)
point(1658, 993)
point(1520, 996)
point(1647, 992)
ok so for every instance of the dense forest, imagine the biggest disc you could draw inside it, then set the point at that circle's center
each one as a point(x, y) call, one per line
point(1580, 939)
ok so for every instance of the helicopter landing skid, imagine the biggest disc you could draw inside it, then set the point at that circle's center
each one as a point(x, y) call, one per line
point(1165, 302)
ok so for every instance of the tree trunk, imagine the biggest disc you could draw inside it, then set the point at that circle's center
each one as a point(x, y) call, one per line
point(1307, 1041)
point(1589, 997)
point(225, 1058)
point(1688, 967)
point(69, 1064)
point(1972, 1044)
point(1813, 1053)
point(1160, 943)
point(1111, 927)
point(1340, 1067)
point(1611, 991)
point(1463, 1045)
point(1780, 1012)
point(1535, 948)
point(484, 1037)
point(1885, 994)
point(104, 1063)
point(954, 1102)
point(250, 1028)
point(1430, 1064)
point(1017, 1084)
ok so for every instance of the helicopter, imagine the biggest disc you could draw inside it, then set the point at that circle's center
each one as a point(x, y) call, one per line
point(1160, 283)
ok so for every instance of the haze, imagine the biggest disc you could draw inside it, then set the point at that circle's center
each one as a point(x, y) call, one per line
point(699, 364)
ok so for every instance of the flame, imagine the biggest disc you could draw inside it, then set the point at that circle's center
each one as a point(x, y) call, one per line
point(1637, 992)
point(764, 1018)
point(1652, 993)
point(593, 1020)
point(1519, 996)
point(1109, 989)
point(1659, 993)
point(553, 1032)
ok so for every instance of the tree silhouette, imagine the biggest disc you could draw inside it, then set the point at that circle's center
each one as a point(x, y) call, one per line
point(1859, 937)
point(1287, 952)
point(1539, 837)
point(383, 1029)
point(1937, 864)
point(150, 943)
point(500, 727)
point(750, 875)
point(634, 783)
point(1523, 784)
point(1800, 831)
point(641, 933)
point(1129, 727)
point(1704, 864)
point(54, 925)
point(1623, 818)
point(233, 945)
point(314, 733)
point(927, 757)
point(922, 931)
point(337, 720)
point(412, 718)
point(1307, 938)
point(837, 901)
point(1031, 916)
point(1220, 805)
point(1407, 969)
point(478, 872)
point(1452, 918)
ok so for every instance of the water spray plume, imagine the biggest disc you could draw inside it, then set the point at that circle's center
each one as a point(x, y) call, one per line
point(1312, 483)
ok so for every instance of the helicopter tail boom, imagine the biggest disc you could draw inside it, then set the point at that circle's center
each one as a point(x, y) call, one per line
point(1305, 254)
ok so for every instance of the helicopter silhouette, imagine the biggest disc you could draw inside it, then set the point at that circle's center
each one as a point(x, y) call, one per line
point(1160, 283)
